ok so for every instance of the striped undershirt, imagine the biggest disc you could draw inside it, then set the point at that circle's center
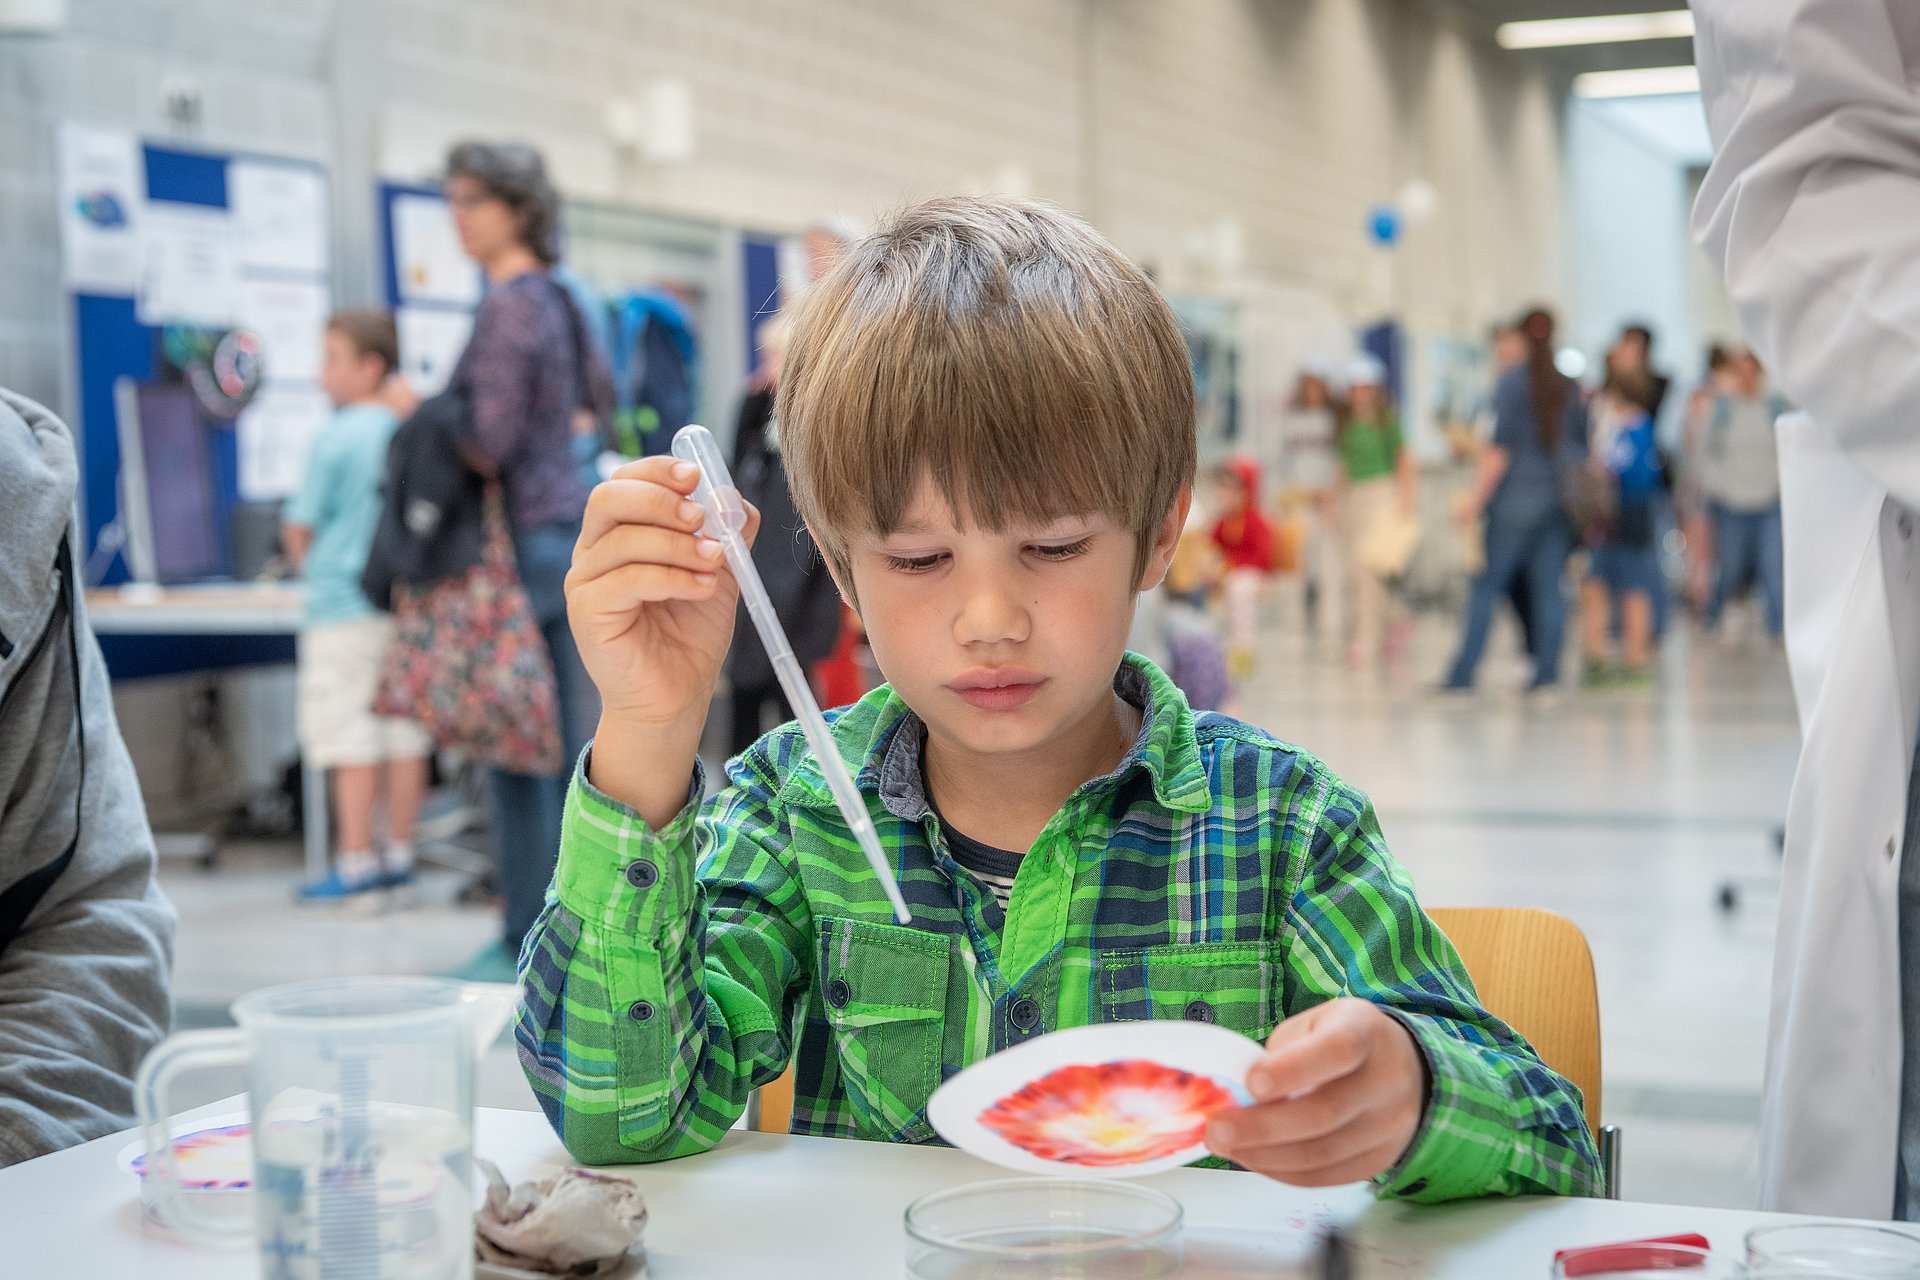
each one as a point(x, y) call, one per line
point(993, 867)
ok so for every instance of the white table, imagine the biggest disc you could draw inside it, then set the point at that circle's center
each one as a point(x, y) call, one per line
point(766, 1205)
point(220, 609)
point(215, 609)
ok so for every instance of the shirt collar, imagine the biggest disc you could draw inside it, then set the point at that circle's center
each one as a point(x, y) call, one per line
point(881, 740)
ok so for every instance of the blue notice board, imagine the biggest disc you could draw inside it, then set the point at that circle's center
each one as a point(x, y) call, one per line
point(111, 342)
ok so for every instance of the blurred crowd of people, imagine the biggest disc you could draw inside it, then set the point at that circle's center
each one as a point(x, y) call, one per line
point(1601, 509)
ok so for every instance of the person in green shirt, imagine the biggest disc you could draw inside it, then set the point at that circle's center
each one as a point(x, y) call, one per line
point(1377, 481)
point(988, 423)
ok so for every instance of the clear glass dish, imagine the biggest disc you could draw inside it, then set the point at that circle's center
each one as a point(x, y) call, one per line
point(1835, 1250)
point(1044, 1229)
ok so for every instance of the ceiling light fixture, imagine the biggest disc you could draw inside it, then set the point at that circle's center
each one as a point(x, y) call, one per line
point(1640, 82)
point(1607, 28)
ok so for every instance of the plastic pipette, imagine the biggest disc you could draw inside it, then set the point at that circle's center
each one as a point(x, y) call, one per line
point(726, 517)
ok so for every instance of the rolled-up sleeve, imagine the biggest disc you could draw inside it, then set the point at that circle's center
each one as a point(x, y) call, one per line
point(1498, 1121)
point(656, 998)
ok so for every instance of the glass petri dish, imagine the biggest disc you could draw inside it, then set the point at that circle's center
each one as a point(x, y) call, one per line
point(1044, 1229)
point(1833, 1251)
point(1647, 1262)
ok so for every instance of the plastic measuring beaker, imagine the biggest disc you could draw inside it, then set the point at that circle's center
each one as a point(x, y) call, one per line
point(361, 1093)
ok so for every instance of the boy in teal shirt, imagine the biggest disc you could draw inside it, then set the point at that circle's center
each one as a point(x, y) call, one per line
point(327, 529)
point(987, 417)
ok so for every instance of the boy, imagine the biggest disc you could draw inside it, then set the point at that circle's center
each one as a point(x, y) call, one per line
point(328, 527)
point(988, 423)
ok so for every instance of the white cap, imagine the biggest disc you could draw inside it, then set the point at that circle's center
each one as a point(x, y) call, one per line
point(1365, 370)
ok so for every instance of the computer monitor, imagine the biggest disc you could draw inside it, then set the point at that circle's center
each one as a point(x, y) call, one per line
point(167, 496)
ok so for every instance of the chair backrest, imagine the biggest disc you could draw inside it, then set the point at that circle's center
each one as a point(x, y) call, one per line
point(1534, 972)
point(775, 1112)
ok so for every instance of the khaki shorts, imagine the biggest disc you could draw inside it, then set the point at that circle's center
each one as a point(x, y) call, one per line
point(339, 674)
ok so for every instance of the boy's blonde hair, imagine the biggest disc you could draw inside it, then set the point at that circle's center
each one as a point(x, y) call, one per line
point(1000, 347)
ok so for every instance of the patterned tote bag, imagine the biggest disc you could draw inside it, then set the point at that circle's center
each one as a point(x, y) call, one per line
point(467, 662)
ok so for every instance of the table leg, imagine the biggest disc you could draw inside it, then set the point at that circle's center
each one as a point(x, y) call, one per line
point(313, 799)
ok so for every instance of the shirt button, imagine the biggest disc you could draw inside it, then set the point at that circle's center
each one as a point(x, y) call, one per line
point(838, 993)
point(1025, 1014)
point(1198, 1011)
point(1414, 1188)
point(642, 874)
point(640, 1011)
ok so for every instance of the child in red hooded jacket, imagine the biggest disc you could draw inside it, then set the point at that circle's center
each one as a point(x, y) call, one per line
point(1246, 541)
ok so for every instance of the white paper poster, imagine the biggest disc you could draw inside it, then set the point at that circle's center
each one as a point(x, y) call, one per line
point(426, 248)
point(290, 319)
point(280, 216)
point(189, 271)
point(431, 341)
point(275, 437)
point(101, 191)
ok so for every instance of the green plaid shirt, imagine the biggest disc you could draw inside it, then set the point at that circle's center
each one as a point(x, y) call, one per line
point(1217, 873)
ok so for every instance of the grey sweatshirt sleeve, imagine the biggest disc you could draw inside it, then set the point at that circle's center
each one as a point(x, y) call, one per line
point(84, 988)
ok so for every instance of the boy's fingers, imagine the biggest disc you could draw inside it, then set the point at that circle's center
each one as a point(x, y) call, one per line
point(660, 468)
point(1295, 1158)
point(623, 589)
point(637, 501)
point(643, 544)
point(1307, 1051)
point(1304, 1119)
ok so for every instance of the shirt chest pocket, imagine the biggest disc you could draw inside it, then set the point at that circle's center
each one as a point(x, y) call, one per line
point(885, 993)
point(1231, 984)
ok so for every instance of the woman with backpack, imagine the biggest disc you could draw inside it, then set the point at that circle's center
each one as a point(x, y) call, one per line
point(529, 373)
point(1539, 436)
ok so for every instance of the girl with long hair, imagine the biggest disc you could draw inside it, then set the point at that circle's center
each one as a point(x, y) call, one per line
point(1538, 434)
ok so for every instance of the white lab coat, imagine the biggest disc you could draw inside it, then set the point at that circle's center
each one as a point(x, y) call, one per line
point(1813, 207)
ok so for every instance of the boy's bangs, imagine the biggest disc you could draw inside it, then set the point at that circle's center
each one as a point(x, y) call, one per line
point(1009, 439)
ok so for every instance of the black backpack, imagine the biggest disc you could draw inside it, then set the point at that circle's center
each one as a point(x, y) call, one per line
point(432, 504)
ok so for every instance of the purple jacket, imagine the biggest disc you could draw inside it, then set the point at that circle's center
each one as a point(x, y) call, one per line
point(523, 376)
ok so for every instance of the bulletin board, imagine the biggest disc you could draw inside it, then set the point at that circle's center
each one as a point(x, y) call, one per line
point(158, 236)
point(159, 241)
point(431, 285)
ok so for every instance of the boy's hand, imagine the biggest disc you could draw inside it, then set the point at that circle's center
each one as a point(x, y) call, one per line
point(651, 606)
point(1338, 1098)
